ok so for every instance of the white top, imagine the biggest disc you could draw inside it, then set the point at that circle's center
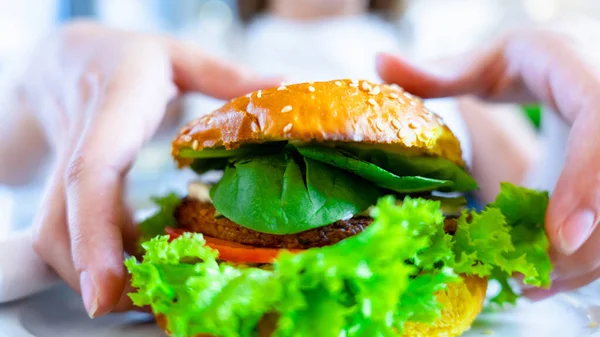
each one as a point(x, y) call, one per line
point(320, 50)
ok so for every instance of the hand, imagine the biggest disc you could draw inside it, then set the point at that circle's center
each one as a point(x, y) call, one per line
point(99, 94)
point(559, 67)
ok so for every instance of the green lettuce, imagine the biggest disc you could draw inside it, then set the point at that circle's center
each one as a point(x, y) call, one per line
point(361, 286)
point(506, 238)
point(370, 284)
point(372, 172)
point(403, 164)
point(281, 194)
point(163, 217)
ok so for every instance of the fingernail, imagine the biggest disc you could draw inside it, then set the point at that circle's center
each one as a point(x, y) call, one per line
point(88, 292)
point(576, 230)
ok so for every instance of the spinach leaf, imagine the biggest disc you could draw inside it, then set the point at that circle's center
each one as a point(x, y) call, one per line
point(372, 172)
point(403, 164)
point(242, 151)
point(203, 165)
point(280, 194)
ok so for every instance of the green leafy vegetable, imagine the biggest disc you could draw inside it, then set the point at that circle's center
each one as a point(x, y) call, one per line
point(203, 165)
point(507, 237)
point(155, 225)
point(370, 284)
point(361, 286)
point(243, 151)
point(403, 164)
point(372, 172)
point(280, 194)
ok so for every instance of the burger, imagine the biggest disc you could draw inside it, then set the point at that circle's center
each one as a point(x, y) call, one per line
point(338, 209)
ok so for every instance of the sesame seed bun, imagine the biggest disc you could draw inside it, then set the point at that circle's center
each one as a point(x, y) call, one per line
point(336, 111)
point(462, 302)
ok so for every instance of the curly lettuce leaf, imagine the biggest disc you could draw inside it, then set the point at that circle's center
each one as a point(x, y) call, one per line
point(362, 286)
point(162, 218)
point(507, 237)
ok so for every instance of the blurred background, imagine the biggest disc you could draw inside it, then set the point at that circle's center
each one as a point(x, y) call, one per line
point(431, 28)
point(242, 31)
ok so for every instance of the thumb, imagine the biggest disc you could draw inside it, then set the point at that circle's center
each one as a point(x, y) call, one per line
point(574, 209)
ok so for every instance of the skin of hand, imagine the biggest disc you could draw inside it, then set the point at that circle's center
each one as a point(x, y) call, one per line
point(99, 94)
point(558, 65)
point(505, 147)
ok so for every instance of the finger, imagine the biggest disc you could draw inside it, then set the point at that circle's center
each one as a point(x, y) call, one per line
point(562, 285)
point(580, 262)
point(573, 210)
point(94, 202)
point(94, 181)
point(129, 231)
point(125, 303)
point(521, 67)
point(194, 70)
point(51, 236)
point(472, 73)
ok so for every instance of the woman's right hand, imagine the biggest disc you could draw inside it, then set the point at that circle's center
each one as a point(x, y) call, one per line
point(557, 65)
point(99, 94)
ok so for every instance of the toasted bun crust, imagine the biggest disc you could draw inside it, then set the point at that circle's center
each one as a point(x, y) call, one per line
point(335, 111)
point(462, 303)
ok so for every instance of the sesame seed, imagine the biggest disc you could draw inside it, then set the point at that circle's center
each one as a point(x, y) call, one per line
point(413, 103)
point(354, 85)
point(338, 83)
point(375, 91)
point(401, 100)
point(354, 80)
point(408, 95)
point(195, 145)
point(287, 128)
point(311, 89)
point(427, 134)
point(187, 138)
point(286, 108)
point(412, 125)
point(379, 125)
point(372, 102)
point(283, 87)
point(394, 95)
point(366, 86)
point(395, 87)
point(259, 94)
point(249, 95)
point(209, 121)
point(396, 124)
point(408, 137)
point(254, 127)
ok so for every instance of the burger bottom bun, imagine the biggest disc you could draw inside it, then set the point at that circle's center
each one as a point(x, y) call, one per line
point(462, 302)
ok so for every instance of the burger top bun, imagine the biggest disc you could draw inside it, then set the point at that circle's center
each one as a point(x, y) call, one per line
point(347, 111)
point(462, 302)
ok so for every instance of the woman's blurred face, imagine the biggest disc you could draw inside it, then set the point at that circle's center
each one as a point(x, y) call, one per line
point(320, 7)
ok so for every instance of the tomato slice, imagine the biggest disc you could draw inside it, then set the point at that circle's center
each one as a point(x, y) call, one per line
point(236, 252)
